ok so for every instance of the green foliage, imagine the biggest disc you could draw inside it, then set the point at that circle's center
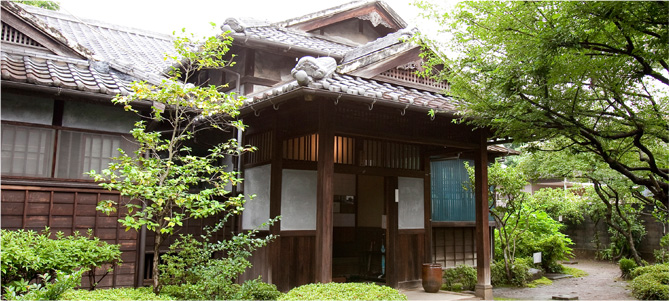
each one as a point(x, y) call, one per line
point(27, 255)
point(172, 176)
point(46, 289)
point(662, 254)
point(589, 76)
point(460, 278)
point(650, 282)
point(559, 203)
point(626, 266)
point(651, 269)
point(651, 286)
point(50, 5)
point(114, 294)
point(540, 281)
point(519, 272)
point(202, 269)
point(343, 291)
point(574, 271)
point(256, 290)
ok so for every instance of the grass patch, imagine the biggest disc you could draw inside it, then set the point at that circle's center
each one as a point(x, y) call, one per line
point(574, 271)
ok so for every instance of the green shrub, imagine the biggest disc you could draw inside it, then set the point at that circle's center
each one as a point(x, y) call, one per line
point(459, 278)
point(256, 290)
point(28, 254)
point(52, 289)
point(115, 294)
point(343, 291)
point(520, 272)
point(626, 266)
point(194, 268)
point(651, 286)
point(652, 269)
point(662, 254)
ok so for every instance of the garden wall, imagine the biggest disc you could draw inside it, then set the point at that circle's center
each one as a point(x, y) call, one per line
point(584, 234)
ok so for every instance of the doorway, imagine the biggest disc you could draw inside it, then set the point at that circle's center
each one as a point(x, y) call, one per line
point(359, 235)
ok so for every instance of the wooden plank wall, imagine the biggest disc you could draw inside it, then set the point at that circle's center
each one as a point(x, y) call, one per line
point(69, 210)
point(454, 246)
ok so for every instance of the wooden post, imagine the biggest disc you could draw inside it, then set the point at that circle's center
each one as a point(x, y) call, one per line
point(427, 192)
point(483, 287)
point(325, 193)
point(392, 229)
point(273, 259)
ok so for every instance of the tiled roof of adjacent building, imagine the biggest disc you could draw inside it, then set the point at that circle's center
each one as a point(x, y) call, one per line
point(133, 48)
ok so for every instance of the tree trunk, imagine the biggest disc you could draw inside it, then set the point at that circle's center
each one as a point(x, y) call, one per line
point(156, 260)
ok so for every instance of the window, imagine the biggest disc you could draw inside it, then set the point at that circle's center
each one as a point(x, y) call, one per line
point(80, 152)
point(27, 151)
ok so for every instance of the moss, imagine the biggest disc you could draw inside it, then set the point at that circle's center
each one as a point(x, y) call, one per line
point(540, 281)
point(574, 271)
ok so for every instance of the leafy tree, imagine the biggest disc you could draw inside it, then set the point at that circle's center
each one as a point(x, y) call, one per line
point(171, 181)
point(508, 210)
point(50, 5)
point(594, 74)
point(611, 197)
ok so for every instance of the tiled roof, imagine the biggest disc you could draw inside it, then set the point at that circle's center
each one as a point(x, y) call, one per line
point(134, 48)
point(381, 92)
point(502, 149)
point(66, 73)
point(339, 9)
point(294, 38)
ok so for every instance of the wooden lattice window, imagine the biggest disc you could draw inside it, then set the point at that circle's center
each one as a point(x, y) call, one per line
point(263, 143)
point(409, 75)
point(385, 154)
point(10, 34)
point(303, 148)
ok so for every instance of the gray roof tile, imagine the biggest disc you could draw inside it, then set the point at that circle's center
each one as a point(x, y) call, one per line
point(294, 38)
point(140, 49)
point(70, 74)
point(367, 88)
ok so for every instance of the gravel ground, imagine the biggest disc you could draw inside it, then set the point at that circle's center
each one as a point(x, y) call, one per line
point(602, 283)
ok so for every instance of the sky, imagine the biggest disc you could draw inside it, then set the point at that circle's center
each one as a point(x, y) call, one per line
point(167, 16)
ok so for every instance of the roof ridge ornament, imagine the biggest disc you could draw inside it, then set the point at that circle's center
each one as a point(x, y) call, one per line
point(309, 69)
point(233, 24)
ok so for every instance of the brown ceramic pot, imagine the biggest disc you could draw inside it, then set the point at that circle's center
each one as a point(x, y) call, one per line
point(432, 277)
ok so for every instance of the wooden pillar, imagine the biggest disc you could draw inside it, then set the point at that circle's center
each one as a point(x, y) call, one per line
point(325, 192)
point(483, 286)
point(427, 195)
point(273, 259)
point(392, 231)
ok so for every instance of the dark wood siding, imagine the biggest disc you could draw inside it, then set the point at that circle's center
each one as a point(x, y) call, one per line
point(68, 210)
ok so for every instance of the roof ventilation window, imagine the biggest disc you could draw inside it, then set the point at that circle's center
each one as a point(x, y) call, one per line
point(10, 34)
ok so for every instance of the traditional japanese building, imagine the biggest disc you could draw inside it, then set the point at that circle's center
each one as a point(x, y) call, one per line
point(368, 184)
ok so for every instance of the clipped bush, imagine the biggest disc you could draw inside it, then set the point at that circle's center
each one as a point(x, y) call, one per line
point(652, 269)
point(27, 254)
point(115, 294)
point(343, 291)
point(626, 266)
point(651, 286)
point(256, 290)
point(460, 278)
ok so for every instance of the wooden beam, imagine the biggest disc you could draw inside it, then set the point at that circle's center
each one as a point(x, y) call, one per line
point(483, 287)
point(325, 193)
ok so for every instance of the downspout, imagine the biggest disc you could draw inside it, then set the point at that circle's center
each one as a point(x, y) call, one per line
point(239, 79)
